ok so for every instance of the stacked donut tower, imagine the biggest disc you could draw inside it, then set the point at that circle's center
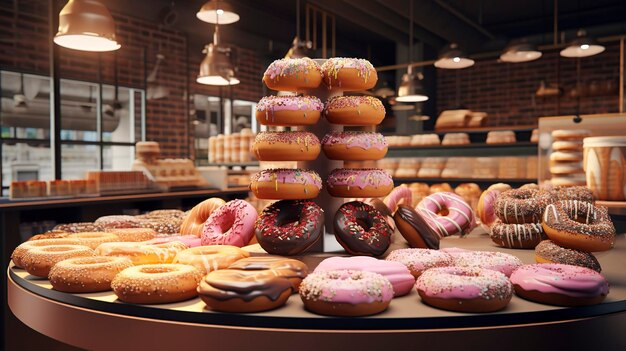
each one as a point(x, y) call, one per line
point(566, 159)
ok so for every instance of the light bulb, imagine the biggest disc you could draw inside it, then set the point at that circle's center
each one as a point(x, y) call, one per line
point(456, 59)
point(220, 11)
point(584, 46)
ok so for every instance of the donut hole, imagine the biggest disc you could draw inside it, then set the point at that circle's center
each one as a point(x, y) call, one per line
point(157, 270)
point(227, 223)
point(363, 224)
point(443, 212)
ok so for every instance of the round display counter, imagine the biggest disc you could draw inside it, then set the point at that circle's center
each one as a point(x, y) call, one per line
point(99, 321)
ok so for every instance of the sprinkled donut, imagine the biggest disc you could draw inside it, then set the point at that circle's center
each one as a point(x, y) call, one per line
point(497, 261)
point(420, 260)
point(117, 221)
point(560, 284)
point(291, 269)
point(289, 110)
point(359, 182)
point(580, 193)
point(79, 227)
point(346, 293)
point(549, 252)
point(231, 224)
point(86, 274)
point(522, 205)
point(39, 260)
point(579, 225)
point(354, 146)
point(210, 258)
point(361, 229)
point(516, 236)
point(354, 110)
point(286, 146)
point(194, 220)
point(156, 283)
point(141, 253)
point(94, 239)
point(293, 74)
point(162, 225)
point(465, 289)
point(349, 74)
point(21, 249)
point(447, 213)
point(415, 229)
point(286, 184)
point(289, 227)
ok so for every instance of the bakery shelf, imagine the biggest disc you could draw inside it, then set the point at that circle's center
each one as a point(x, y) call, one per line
point(482, 182)
point(473, 149)
point(234, 164)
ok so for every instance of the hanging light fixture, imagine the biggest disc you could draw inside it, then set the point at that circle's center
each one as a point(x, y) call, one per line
point(451, 57)
point(217, 68)
point(213, 10)
point(86, 25)
point(299, 48)
point(411, 89)
point(582, 46)
point(520, 51)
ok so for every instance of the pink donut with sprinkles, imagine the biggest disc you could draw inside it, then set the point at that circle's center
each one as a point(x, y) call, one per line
point(359, 182)
point(420, 260)
point(447, 213)
point(289, 110)
point(497, 261)
point(231, 224)
point(354, 146)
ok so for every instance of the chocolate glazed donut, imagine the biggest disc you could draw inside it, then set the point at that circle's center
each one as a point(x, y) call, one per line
point(415, 229)
point(361, 229)
point(289, 227)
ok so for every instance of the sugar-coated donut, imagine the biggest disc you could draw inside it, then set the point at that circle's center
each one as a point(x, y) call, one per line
point(94, 239)
point(354, 110)
point(231, 224)
point(349, 74)
point(194, 221)
point(289, 227)
point(579, 225)
point(516, 236)
point(156, 283)
point(560, 284)
point(346, 293)
point(549, 252)
point(141, 253)
point(22, 248)
point(286, 146)
point(465, 289)
point(361, 229)
point(400, 195)
point(86, 274)
point(244, 291)
point(188, 240)
point(293, 74)
point(398, 274)
point(210, 258)
point(354, 146)
point(359, 182)
point(286, 184)
point(420, 260)
point(580, 193)
point(291, 269)
point(289, 110)
point(485, 209)
point(78, 227)
point(415, 229)
point(522, 205)
point(447, 213)
point(497, 261)
point(38, 261)
point(133, 234)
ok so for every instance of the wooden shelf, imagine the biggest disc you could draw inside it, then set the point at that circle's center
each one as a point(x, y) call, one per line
point(234, 164)
point(473, 149)
point(482, 182)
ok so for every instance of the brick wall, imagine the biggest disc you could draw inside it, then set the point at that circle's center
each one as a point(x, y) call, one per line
point(506, 91)
point(26, 49)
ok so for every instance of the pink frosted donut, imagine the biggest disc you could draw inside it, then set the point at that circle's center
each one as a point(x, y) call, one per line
point(497, 261)
point(399, 195)
point(354, 146)
point(231, 224)
point(485, 210)
point(189, 240)
point(398, 275)
point(459, 218)
point(346, 293)
point(465, 289)
point(359, 182)
point(560, 284)
point(419, 260)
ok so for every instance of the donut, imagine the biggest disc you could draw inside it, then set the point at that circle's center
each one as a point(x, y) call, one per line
point(516, 236)
point(346, 293)
point(286, 146)
point(117, 221)
point(94, 239)
point(579, 225)
point(470, 192)
point(167, 213)
point(78, 227)
point(532, 186)
point(570, 134)
point(210, 258)
point(162, 225)
point(560, 284)
point(194, 220)
point(289, 227)
point(287, 184)
point(293, 74)
point(567, 180)
point(289, 110)
point(400, 195)
point(359, 182)
point(361, 229)
point(291, 269)
point(497, 261)
point(244, 291)
point(567, 145)
point(549, 252)
point(415, 229)
point(398, 275)
point(349, 74)
point(447, 213)
point(566, 168)
point(49, 235)
point(21, 249)
point(156, 283)
point(86, 274)
point(566, 156)
point(354, 146)
point(441, 188)
point(354, 110)
point(522, 205)
point(420, 260)
point(37, 261)
point(485, 209)
point(580, 193)
point(464, 289)
point(133, 234)
point(188, 240)
point(141, 253)
point(231, 224)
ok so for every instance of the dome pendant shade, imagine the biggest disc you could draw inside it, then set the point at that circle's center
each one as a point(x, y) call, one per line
point(451, 57)
point(582, 46)
point(216, 68)
point(411, 89)
point(214, 10)
point(520, 52)
point(86, 25)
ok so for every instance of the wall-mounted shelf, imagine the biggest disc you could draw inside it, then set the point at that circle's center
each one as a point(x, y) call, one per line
point(473, 149)
point(483, 183)
point(235, 164)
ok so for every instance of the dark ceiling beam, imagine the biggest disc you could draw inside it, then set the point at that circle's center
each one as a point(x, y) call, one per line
point(464, 18)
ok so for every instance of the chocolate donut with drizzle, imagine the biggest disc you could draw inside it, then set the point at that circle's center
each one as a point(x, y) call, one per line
point(522, 205)
point(517, 236)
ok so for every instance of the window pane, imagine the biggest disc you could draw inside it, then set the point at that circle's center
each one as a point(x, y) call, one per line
point(118, 158)
point(22, 161)
point(117, 116)
point(25, 103)
point(78, 159)
point(79, 110)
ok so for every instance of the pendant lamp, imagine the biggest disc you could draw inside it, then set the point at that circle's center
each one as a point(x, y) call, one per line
point(582, 46)
point(451, 57)
point(411, 89)
point(216, 68)
point(213, 10)
point(86, 25)
point(299, 48)
point(520, 51)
